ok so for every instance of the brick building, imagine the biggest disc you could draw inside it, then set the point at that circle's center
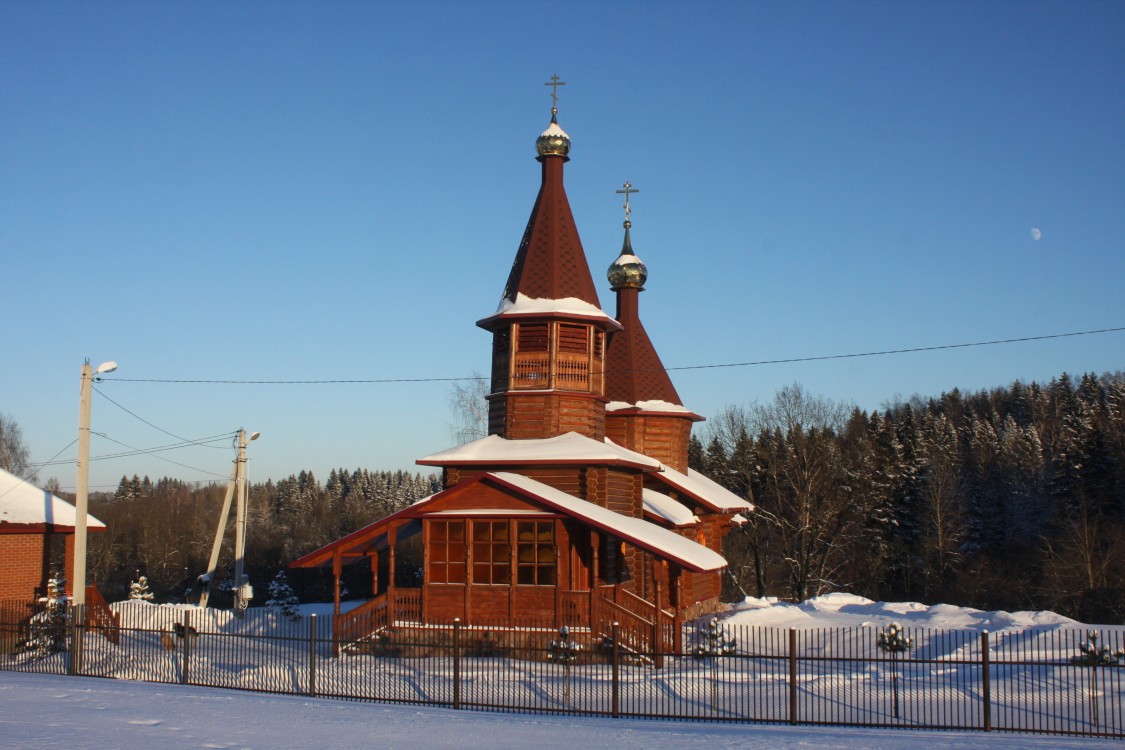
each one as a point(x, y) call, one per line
point(33, 523)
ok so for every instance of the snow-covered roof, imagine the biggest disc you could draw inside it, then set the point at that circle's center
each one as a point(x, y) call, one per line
point(24, 504)
point(636, 531)
point(648, 536)
point(524, 305)
point(554, 130)
point(665, 507)
point(568, 448)
point(658, 406)
point(704, 490)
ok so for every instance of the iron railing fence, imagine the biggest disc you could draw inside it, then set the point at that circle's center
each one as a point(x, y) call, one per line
point(1046, 680)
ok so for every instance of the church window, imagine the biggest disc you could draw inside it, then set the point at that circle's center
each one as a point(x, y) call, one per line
point(535, 553)
point(447, 551)
point(491, 563)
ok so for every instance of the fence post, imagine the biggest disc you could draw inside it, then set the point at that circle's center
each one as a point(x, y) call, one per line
point(457, 662)
point(616, 670)
point(792, 675)
point(312, 654)
point(184, 679)
point(986, 681)
point(74, 664)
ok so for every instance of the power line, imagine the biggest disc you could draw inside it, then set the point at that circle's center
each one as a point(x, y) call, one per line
point(753, 363)
point(901, 351)
point(150, 424)
point(140, 451)
point(134, 451)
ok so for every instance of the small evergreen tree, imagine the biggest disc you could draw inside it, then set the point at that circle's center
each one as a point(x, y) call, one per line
point(282, 599)
point(894, 640)
point(138, 589)
point(710, 644)
point(48, 628)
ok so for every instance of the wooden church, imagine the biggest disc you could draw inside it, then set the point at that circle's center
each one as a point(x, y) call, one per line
point(578, 508)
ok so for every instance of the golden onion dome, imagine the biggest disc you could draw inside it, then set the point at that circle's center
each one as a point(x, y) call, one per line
point(553, 141)
point(628, 271)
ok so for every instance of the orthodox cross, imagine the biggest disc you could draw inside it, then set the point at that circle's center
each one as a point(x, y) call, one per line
point(628, 189)
point(554, 83)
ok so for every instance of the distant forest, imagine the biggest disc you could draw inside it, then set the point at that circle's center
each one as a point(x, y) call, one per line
point(1011, 498)
point(165, 529)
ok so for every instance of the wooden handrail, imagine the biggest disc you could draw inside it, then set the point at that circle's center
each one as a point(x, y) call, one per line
point(101, 617)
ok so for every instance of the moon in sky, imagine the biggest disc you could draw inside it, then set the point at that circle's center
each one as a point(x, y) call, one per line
point(1035, 233)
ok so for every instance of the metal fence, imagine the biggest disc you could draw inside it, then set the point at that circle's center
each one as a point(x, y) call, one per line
point(1050, 680)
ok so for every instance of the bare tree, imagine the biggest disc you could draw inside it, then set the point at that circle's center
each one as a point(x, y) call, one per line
point(468, 403)
point(805, 515)
point(14, 455)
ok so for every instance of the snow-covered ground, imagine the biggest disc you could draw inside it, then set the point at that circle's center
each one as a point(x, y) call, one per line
point(49, 712)
point(848, 610)
point(842, 676)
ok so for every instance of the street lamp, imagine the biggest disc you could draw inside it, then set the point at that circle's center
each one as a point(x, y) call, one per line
point(78, 580)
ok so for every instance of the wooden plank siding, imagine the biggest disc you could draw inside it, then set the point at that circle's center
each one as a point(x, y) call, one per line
point(663, 437)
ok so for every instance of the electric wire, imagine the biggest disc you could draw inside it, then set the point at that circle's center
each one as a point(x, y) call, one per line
point(200, 443)
point(140, 451)
point(752, 363)
point(150, 424)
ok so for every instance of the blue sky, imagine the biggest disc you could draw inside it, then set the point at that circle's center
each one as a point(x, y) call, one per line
point(330, 191)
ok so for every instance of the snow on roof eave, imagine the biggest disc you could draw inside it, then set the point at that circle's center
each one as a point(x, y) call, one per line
point(569, 307)
point(660, 541)
point(706, 491)
point(569, 448)
point(663, 408)
point(663, 507)
point(24, 504)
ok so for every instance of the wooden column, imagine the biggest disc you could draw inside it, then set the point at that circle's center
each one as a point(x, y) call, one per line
point(337, 571)
point(392, 604)
point(595, 571)
point(374, 573)
point(514, 571)
point(677, 603)
point(558, 573)
point(467, 598)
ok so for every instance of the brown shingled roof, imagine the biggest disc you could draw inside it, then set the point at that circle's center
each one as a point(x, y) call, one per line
point(634, 371)
point(550, 263)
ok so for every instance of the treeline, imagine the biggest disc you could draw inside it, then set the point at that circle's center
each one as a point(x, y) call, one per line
point(165, 529)
point(1012, 498)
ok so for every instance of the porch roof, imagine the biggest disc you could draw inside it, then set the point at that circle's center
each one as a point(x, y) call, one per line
point(661, 542)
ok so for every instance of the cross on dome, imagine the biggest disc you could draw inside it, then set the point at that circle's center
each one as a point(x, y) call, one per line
point(554, 83)
point(628, 189)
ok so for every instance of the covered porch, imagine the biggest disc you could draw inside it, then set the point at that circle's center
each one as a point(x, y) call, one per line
point(504, 550)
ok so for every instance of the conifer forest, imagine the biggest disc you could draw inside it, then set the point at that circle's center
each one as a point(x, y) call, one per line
point(1011, 498)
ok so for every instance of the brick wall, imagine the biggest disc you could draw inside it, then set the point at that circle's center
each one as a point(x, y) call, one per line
point(24, 565)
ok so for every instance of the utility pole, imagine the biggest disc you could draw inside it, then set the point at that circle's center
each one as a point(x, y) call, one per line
point(242, 591)
point(82, 484)
point(236, 488)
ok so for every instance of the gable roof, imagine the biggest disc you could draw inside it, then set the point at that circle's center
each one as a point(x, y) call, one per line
point(648, 536)
point(572, 448)
point(661, 542)
point(569, 448)
point(24, 505)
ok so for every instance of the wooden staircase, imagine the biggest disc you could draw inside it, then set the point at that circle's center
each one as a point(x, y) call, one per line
point(100, 618)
